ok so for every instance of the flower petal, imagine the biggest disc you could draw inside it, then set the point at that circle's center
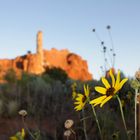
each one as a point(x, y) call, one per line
point(101, 90)
point(98, 100)
point(22, 132)
point(74, 94)
point(105, 100)
point(118, 79)
point(80, 106)
point(112, 77)
point(86, 90)
point(76, 103)
point(121, 84)
point(96, 104)
point(78, 98)
point(105, 82)
point(80, 95)
point(13, 138)
point(77, 108)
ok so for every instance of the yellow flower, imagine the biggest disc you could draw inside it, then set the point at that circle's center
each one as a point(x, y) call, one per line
point(73, 86)
point(18, 134)
point(13, 138)
point(22, 133)
point(74, 94)
point(74, 90)
point(123, 103)
point(109, 90)
point(81, 99)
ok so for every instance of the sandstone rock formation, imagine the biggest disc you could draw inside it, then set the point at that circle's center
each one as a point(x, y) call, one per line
point(137, 74)
point(74, 65)
point(39, 48)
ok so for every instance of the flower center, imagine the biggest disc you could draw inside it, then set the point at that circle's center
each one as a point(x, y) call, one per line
point(110, 91)
point(84, 98)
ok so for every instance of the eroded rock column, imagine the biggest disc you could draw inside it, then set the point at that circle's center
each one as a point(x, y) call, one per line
point(39, 48)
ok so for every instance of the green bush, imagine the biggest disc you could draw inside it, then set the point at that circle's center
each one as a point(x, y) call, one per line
point(10, 76)
point(12, 108)
point(57, 74)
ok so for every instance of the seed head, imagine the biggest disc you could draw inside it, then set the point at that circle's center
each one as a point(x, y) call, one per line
point(102, 42)
point(22, 113)
point(68, 124)
point(108, 27)
point(67, 133)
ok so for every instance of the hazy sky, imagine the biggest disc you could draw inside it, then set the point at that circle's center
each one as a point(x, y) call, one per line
point(68, 24)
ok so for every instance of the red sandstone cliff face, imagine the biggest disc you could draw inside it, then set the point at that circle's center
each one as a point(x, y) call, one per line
point(74, 65)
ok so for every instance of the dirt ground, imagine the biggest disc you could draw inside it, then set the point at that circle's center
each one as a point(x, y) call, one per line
point(9, 126)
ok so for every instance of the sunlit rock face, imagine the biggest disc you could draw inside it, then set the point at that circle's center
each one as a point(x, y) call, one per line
point(74, 65)
point(71, 63)
point(137, 74)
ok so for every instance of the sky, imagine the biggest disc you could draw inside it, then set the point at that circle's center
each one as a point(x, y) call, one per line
point(69, 24)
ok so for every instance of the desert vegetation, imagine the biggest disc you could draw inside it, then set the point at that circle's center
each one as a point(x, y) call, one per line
point(48, 100)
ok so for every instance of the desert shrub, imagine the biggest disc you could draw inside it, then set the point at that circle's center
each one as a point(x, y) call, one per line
point(12, 108)
point(47, 78)
point(1, 107)
point(50, 96)
point(57, 74)
point(39, 90)
point(10, 76)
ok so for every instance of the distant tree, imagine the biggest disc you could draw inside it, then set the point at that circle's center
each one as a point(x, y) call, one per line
point(57, 74)
point(29, 52)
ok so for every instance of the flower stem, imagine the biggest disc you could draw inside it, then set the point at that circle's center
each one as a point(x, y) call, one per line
point(73, 133)
point(23, 121)
point(84, 125)
point(67, 137)
point(136, 92)
point(122, 114)
point(96, 119)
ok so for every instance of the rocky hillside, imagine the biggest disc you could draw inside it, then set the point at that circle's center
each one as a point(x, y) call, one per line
point(73, 64)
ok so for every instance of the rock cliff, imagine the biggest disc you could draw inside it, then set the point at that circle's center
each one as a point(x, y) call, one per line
point(73, 64)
